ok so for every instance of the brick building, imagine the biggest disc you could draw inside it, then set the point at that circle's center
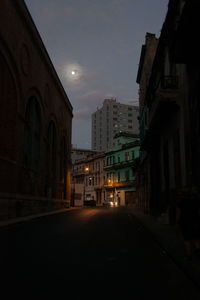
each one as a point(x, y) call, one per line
point(35, 120)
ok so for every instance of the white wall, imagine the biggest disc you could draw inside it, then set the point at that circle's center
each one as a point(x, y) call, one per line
point(79, 189)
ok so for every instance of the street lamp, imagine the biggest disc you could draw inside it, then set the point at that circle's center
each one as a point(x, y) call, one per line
point(84, 192)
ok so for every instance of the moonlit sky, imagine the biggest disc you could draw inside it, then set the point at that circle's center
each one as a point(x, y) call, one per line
point(95, 48)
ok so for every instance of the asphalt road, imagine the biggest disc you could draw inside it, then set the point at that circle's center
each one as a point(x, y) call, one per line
point(97, 253)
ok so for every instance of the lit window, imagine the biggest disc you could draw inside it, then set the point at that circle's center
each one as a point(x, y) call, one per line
point(127, 156)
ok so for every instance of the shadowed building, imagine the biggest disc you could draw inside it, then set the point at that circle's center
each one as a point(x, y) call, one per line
point(35, 120)
point(171, 138)
point(148, 52)
point(88, 179)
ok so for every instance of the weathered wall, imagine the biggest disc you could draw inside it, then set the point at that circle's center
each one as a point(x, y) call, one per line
point(26, 72)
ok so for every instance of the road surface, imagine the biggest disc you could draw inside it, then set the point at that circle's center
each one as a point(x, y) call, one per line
point(97, 253)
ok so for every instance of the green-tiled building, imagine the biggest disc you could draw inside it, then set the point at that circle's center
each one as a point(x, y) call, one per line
point(120, 177)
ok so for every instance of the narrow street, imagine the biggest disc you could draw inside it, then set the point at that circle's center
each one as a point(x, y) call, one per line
point(103, 251)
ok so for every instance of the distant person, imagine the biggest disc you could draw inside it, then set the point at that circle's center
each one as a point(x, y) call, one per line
point(188, 219)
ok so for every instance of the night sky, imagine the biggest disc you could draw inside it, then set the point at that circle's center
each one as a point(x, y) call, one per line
point(95, 48)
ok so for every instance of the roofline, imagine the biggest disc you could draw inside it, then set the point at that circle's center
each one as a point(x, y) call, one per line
point(25, 14)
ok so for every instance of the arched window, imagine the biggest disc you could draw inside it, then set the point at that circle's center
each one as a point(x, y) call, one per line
point(63, 164)
point(63, 167)
point(8, 111)
point(51, 160)
point(32, 133)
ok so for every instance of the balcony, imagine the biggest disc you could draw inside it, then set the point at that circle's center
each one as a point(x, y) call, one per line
point(165, 102)
point(110, 184)
point(169, 83)
point(124, 183)
point(119, 165)
point(78, 172)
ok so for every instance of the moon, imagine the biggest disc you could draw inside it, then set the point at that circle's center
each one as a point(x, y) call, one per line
point(73, 72)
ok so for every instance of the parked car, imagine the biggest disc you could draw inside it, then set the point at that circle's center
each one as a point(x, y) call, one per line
point(109, 203)
point(89, 203)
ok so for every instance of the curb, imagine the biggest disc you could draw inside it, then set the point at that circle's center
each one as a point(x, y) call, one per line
point(35, 216)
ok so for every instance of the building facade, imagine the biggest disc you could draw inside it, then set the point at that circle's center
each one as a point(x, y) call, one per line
point(148, 52)
point(35, 120)
point(88, 175)
point(79, 153)
point(109, 120)
point(120, 176)
point(172, 136)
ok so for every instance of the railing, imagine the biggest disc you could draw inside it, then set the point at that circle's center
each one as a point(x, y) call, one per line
point(164, 102)
point(77, 172)
point(114, 183)
point(119, 165)
point(169, 82)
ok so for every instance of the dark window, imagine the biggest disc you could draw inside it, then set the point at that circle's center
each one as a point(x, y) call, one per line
point(51, 160)
point(177, 162)
point(63, 163)
point(118, 177)
point(32, 133)
point(107, 161)
point(127, 175)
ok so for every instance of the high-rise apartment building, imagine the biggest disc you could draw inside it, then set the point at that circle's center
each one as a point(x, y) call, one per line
point(113, 117)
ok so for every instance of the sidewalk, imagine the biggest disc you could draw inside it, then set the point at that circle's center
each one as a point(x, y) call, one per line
point(35, 216)
point(172, 243)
